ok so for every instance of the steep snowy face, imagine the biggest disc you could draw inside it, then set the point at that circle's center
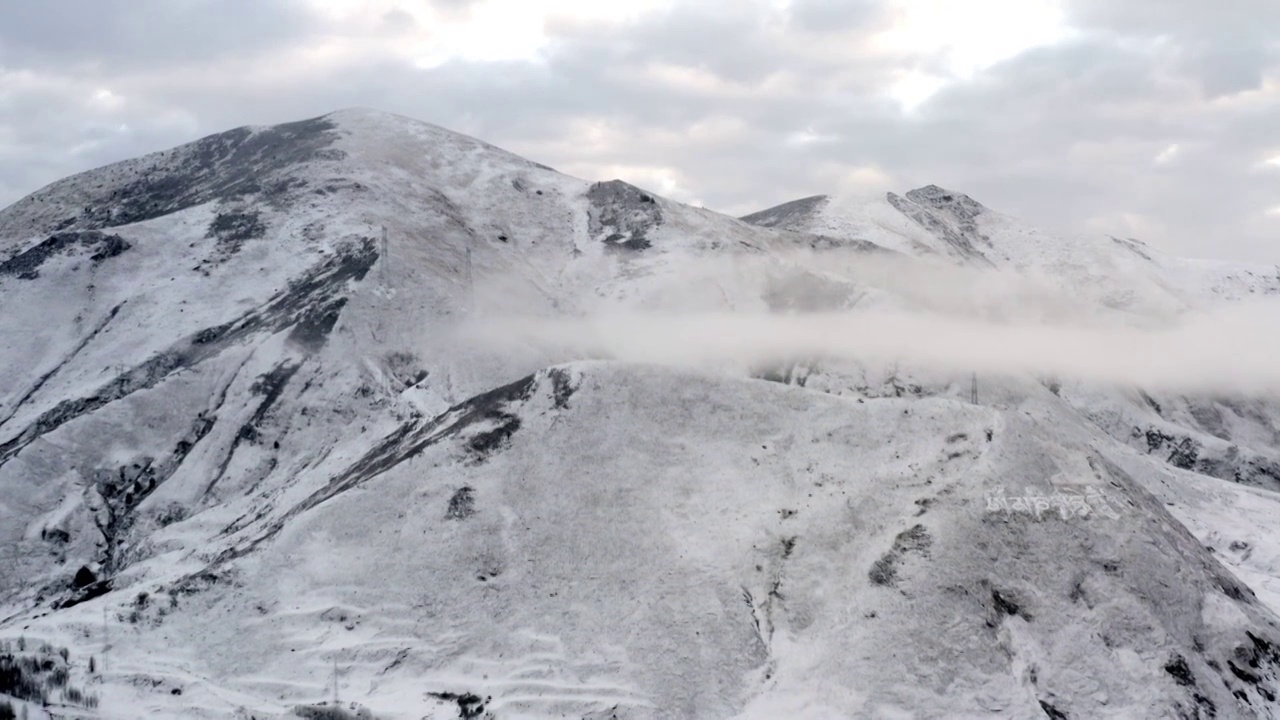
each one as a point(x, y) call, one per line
point(231, 387)
point(203, 324)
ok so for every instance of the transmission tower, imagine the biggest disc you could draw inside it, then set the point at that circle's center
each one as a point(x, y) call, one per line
point(471, 289)
point(385, 257)
point(106, 643)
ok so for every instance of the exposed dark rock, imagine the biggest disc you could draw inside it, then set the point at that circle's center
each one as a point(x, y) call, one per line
point(229, 165)
point(1137, 247)
point(469, 704)
point(622, 215)
point(948, 216)
point(84, 594)
point(1178, 670)
point(484, 443)
point(562, 387)
point(915, 540)
point(1186, 453)
point(84, 577)
point(232, 228)
point(100, 246)
point(462, 504)
point(1052, 711)
point(312, 329)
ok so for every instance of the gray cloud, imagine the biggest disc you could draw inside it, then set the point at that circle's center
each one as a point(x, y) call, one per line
point(743, 106)
point(109, 35)
point(1227, 47)
point(835, 15)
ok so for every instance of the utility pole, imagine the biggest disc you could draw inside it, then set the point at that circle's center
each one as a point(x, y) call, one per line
point(385, 257)
point(471, 290)
point(106, 643)
point(973, 390)
point(335, 680)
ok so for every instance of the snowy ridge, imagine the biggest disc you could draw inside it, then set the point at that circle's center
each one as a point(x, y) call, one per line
point(227, 397)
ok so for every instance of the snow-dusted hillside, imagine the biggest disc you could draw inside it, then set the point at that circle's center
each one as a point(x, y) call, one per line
point(246, 457)
point(1229, 437)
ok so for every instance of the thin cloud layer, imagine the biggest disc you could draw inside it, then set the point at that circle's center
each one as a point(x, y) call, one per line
point(1147, 119)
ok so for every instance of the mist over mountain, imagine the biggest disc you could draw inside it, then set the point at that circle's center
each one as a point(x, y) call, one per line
point(359, 408)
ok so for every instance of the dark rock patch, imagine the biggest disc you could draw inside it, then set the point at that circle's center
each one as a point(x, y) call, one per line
point(232, 228)
point(469, 704)
point(1004, 604)
point(1178, 670)
point(915, 540)
point(562, 387)
point(487, 442)
point(462, 504)
point(1186, 453)
point(100, 246)
point(84, 578)
point(313, 328)
point(621, 215)
point(948, 216)
point(1137, 247)
point(84, 594)
point(1052, 711)
point(228, 165)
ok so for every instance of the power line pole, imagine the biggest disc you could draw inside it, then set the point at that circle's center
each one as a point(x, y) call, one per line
point(973, 390)
point(385, 256)
point(106, 644)
point(471, 290)
point(335, 680)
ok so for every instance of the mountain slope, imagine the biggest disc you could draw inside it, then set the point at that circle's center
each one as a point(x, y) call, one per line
point(1228, 436)
point(245, 398)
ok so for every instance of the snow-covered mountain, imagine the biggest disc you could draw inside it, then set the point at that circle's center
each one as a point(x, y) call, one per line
point(248, 462)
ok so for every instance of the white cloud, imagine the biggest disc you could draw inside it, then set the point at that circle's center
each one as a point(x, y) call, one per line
point(976, 34)
point(807, 136)
point(482, 31)
point(1168, 155)
point(967, 38)
point(107, 100)
point(913, 88)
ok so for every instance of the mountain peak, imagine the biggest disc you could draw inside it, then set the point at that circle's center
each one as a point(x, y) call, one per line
point(941, 198)
point(232, 164)
point(787, 214)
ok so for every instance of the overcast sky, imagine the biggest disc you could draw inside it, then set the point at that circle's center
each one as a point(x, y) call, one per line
point(1156, 119)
